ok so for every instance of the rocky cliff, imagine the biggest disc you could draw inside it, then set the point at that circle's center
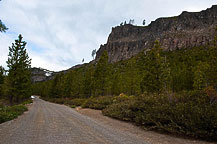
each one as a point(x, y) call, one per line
point(187, 30)
point(40, 74)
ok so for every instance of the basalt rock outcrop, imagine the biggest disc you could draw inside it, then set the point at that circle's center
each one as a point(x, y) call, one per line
point(187, 30)
point(40, 74)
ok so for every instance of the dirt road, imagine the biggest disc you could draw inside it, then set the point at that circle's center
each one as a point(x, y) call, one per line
point(48, 123)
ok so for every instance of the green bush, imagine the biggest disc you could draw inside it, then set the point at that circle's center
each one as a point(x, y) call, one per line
point(98, 102)
point(55, 100)
point(75, 102)
point(73, 106)
point(124, 105)
point(59, 101)
point(189, 113)
point(19, 109)
point(70, 102)
point(28, 101)
point(6, 116)
point(9, 113)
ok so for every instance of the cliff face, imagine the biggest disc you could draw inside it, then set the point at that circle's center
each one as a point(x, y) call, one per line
point(184, 31)
point(39, 74)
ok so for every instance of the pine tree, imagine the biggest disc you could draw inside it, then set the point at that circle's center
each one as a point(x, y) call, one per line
point(93, 53)
point(55, 90)
point(2, 78)
point(165, 76)
point(101, 74)
point(156, 70)
point(3, 28)
point(67, 86)
point(2, 74)
point(88, 81)
point(213, 62)
point(132, 77)
point(19, 64)
point(200, 77)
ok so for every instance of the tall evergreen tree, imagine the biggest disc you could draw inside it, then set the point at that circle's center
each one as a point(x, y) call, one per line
point(200, 77)
point(101, 74)
point(2, 78)
point(2, 74)
point(55, 90)
point(93, 53)
point(19, 64)
point(213, 62)
point(132, 77)
point(3, 28)
point(165, 76)
point(156, 70)
point(88, 81)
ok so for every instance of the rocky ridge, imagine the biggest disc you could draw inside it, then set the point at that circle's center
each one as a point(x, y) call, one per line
point(40, 74)
point(187, 30)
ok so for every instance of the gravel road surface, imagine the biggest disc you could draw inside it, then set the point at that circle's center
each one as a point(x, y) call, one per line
point(48, 123)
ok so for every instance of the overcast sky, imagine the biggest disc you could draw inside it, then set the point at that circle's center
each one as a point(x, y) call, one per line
point(60, 33)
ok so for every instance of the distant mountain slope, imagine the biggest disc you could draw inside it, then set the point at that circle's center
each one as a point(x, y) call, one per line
point(187, 30)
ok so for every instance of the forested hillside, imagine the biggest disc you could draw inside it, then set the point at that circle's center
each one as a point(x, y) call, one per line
point(153, 71)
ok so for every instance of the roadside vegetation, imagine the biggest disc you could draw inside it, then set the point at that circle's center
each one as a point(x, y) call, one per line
point(169, 91)
point(11, 112)
point(8, 113)
point(190, 113)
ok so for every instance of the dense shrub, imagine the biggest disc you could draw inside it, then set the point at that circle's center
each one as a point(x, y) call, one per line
point(75, 102)
point(9, 113)
point(54, 100)
point(4, 102)
point(98, 102)
point(189, 113)
point(28, 101)
point(66, 101)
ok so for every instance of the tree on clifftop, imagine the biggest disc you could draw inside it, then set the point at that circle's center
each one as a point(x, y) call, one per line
point(143, 22)
point(93, 53)
point(3, 28)
point(19, 63)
